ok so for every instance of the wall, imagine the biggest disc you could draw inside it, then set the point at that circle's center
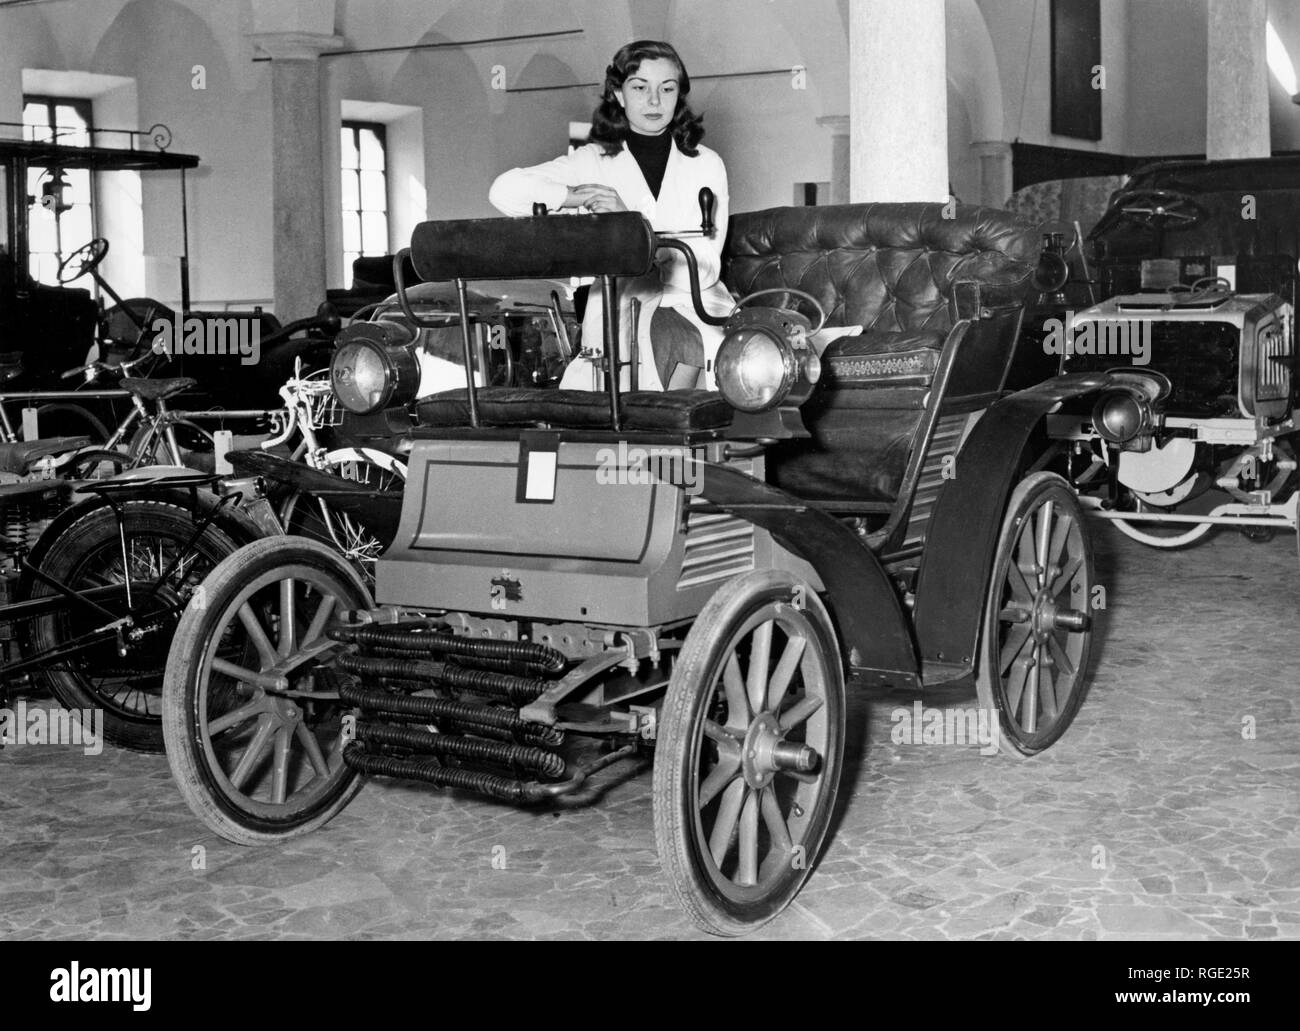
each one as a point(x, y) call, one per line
point(454, 131)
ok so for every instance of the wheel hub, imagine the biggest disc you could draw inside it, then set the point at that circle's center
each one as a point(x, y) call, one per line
point(765, 752)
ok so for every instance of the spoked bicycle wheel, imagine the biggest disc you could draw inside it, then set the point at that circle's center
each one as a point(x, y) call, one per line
point(164, 570)
point(318, 520)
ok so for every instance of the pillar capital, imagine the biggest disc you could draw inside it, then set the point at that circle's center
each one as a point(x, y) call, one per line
point(295, 46)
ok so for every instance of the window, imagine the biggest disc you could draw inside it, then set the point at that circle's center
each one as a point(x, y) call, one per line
point(56, 234)
point(365, 190)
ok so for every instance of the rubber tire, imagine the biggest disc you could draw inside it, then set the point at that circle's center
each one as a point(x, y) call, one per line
point(92, 533)
point(989, 696)
point(696, 671)
point(189, 652)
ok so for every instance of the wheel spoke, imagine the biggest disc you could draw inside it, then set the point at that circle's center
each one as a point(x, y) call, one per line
point(1016, 684)
point(280, 766)
point(1043, 544)
point(785, 670)
point(725, 738)
point(798, 712)
point(1059, 536)
point(760, 658)
point(288, 617)
point(323, 612)
point(312, 747)
point(776, 825)
point(255, 750)
point(1025, 562)
point(1014, 645)
point(235, 716)
point(261, 642)
point(727, 770)
point(747, 873)
point(734, 687)
point(724, 825)
point(1059, 655)
point(1067, 575)
point(1030, 696)
point(1047, 693)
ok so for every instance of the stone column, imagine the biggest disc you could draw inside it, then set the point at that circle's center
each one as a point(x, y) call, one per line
point(1236, 81)
point(995, 171)
point(898, 101)
point(297, 168)
point(839, 128)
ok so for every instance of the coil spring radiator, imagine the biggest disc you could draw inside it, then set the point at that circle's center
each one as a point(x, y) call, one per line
point(478, 743)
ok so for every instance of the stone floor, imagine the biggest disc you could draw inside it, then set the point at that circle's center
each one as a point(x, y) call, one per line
point(1154, 817)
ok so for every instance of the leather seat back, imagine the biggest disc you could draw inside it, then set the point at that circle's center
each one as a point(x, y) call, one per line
point(881, 266)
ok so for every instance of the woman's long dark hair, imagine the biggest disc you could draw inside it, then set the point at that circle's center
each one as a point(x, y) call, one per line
point(609, 126)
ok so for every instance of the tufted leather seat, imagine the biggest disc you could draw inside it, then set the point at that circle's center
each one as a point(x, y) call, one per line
point(902, 272)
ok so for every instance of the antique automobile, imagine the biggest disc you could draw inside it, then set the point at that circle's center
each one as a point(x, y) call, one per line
point(1196, 262)
point(53, 324)
point(581, 578)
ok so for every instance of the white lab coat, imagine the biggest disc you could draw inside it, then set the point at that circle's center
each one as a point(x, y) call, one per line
point(676, 209)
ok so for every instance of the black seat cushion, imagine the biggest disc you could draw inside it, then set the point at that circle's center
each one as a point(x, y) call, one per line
point(855, 454)
point(673, 410)
point(19, 456)
point(157, 389)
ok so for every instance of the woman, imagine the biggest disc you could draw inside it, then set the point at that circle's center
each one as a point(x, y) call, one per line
point(644, 155)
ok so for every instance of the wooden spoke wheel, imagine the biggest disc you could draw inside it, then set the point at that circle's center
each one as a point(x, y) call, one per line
point(254, 728)
point(750, 743)
point(1037, 626)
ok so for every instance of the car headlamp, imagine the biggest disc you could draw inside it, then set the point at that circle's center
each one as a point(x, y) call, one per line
point(1125, 413)
point(374, 367)
point(766, 360)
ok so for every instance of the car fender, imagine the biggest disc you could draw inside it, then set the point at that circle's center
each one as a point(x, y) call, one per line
point(863, 601)
point(958, 557)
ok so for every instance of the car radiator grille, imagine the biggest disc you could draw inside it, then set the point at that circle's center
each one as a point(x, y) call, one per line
point(718, 546)
point(1274, 377)
point(947, 436)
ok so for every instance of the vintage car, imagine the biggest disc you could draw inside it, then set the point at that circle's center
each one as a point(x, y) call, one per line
point(1197, 265)
point(580, 578)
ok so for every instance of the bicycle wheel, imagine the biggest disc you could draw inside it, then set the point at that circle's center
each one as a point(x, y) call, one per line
point(70, 420)
point(318, 520)
point(164, 572)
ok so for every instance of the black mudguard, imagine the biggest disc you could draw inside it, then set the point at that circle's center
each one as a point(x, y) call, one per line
point(240, 528)
point(958, 559)
point(863, 602)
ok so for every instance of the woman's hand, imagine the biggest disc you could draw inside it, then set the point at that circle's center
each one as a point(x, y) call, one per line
point(594, 197)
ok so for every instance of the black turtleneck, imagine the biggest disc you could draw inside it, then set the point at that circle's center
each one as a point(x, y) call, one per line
point(651, 153)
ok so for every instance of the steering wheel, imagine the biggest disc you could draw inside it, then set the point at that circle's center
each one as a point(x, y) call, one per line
point(83, 260)
point(1159, 208)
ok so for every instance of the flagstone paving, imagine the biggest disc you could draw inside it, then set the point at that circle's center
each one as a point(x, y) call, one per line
point(1170, 810)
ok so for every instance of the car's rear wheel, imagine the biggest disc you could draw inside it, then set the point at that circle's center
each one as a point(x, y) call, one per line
point(747, 762)
point(1036, 634)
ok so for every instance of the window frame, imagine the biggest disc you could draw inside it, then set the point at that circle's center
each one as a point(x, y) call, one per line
point(356, 126)
point(85, 108)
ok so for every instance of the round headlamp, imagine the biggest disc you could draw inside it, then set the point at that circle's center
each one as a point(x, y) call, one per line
point(1127, 410)
point(766, 360)
point(374, 367)
point(1120, 415)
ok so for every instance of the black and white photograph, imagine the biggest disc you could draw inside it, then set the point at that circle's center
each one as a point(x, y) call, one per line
point(560, 470)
